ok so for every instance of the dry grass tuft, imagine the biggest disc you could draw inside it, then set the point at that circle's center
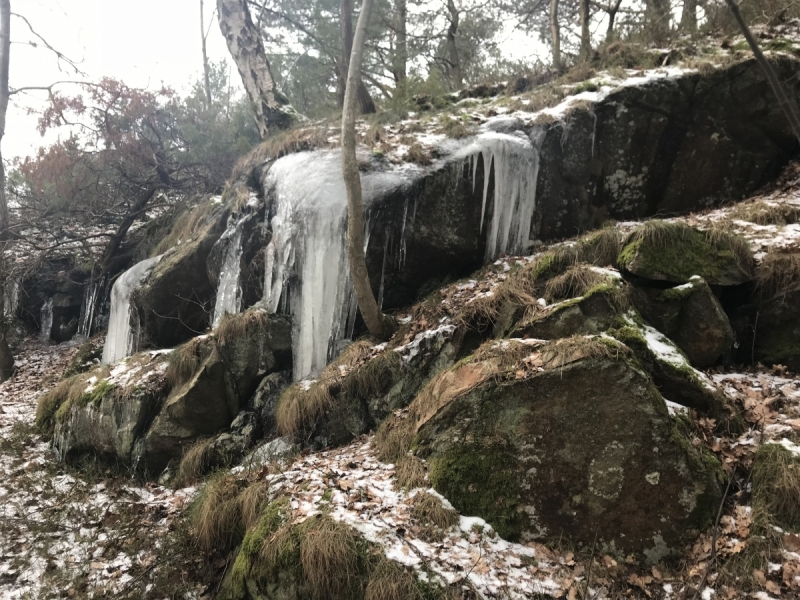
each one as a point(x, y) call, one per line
point(776, 485)
point(601, 248)
point(574, 282)
point(299, 408)
point(409, 472)
point(418, 155)
point(435, 518)
point(252, 501)
point(661, 234)
point(764, 213)
point(241, 325)
point(188, 224)
point(184, 361)
point(278, 145)
point(216, 514)
point(778, 274)
point(390, 581)
point(393, 438)
point(453, 128)
point(374, 135)
point(330, 557)
point(506, 353)
point(723, 237)
point(562, 352)
point(66, 391)
point(196, 461)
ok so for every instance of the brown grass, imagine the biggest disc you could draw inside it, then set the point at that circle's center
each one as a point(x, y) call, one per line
point(241, 325)
point(776, 485)
point(434, 517)
point(562, 352)
point(184, 361)
point(216, 514)
point(765, 213)
point(68, 390)
point(453, 128)
point(253, 499)
point(298, 409)
point(390, 581)
point(723, 237)
point(393, 438)
point(418, 155)
point(188, 224)
point(778, 274)
point(409, 472)
point(196, 461)
point(278, 145)
point(601, 248)
point(574, 282)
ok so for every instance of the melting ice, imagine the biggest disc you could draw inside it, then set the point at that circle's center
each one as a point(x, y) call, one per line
point(122, 338)
point(229, 291)
point(46, 320)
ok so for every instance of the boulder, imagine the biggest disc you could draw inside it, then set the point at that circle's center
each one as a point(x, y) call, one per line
point(174, 300)
point(691, 316)
point(574, 441)
point(674, 253)
point(777, 331)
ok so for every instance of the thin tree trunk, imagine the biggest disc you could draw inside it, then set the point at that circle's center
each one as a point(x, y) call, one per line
point(377, 323)
point(206, 68)
point(769, 72)
point(612, 15)
point(658, 16)
point(399, 67)
point(456, 78)
point(122, 230)
point(6, 358)
point(555, 34)
point(365, 104)
point(586, 35)
point(689, 16)
point(271, 109)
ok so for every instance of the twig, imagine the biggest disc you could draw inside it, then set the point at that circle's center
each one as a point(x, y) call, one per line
point(713, 556)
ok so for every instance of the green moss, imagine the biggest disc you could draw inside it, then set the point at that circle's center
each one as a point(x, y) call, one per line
point(482, 480)
point(676, 294)
point(586, 86)
point(82, 361)
point(102, 389)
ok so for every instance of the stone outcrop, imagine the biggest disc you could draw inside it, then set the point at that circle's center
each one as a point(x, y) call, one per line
point(579, 445)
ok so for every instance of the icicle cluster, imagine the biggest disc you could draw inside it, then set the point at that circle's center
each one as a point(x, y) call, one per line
point(46, 320)
point(229, 291)
point(90, 297)
point(122, 338)
point(512, 162)
point(306, 261)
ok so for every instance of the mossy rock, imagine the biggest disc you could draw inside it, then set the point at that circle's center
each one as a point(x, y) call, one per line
point(691, 316)
point(675, 253)
point(777, 332)
point(584, 450)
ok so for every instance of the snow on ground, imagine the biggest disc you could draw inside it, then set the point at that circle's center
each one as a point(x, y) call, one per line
point(67, 532)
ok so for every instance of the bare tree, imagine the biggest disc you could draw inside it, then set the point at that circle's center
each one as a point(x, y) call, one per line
point(365, 102)
point(378, 324)
point(611, 10)
point(769, 72)
point(456, 79)
point(555, 34)
point(6, 358)
point(586, 34)
point(206, 67)
point(270, 107)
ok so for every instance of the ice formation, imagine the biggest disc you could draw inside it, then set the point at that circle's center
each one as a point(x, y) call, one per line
point(90, 297)
point(229, 291)
point(306, 261)
point(514, 161)
point(122, 338)
point(46, 320)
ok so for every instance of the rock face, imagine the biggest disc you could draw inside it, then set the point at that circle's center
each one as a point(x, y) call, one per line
point(777, 331)
point(583, 447)
point(141, 413)
point(691, 316)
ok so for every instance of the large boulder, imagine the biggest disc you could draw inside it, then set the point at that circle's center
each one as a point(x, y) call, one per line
point(568, 439)
point(691, 316)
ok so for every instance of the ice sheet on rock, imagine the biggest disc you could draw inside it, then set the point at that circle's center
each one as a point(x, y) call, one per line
point(46, 320)
point(229, 291)
point(122, 338)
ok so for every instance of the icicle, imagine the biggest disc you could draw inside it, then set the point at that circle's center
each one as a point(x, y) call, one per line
point(403, 236)
point(387, 234)
point(229, 292)
point(310, 271)
point(513, 162)
point(46, 320)
point(122, 338)
point(11, 297)
point(88, 308)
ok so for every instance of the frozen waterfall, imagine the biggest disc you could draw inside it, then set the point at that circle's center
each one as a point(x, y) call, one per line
point(122, 338)
point(307, 271)
point(229, 291)
point(46, 320)
point(88, 307)
point(514, 159)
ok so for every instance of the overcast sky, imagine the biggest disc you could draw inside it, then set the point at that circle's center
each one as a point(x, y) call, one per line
point(142, 42)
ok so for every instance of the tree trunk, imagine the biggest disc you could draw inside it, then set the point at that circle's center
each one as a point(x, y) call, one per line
point(399, 66)
point(365, 104)
point(456, 78)
point(377, 323)
point(270, 107)
point(769, 72)
point(658, 17)
point(689, 16)
point(586, 34)
point(6, 358)
point(206, 68)
point(555, 34)
point(612, 15)
point(119, 235)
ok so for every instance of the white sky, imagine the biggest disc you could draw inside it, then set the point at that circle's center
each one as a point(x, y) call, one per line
point(141, 42)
